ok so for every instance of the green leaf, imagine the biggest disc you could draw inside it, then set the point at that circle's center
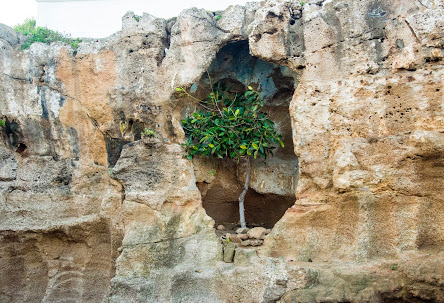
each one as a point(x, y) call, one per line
point(281, 143)
point(238, 130)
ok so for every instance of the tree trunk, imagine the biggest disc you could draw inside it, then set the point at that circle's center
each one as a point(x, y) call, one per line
point(242, 195)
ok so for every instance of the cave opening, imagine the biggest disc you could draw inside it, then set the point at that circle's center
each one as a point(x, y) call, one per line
point(273, 182)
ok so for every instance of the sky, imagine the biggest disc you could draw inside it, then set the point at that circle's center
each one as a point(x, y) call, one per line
point(96, 18)
point(13, 12)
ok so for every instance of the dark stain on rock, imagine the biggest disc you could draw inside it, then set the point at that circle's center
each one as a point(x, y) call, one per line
point(399, 44)
point(113, 149)
point(13, 134)
point(376, 18)
point(62, 101)
point(42, 92)
point(74, 138)
point(64, 177)
point(171, 128)
point(137, 129)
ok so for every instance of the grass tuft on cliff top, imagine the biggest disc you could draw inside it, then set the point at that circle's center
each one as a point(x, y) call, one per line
point(42, 34)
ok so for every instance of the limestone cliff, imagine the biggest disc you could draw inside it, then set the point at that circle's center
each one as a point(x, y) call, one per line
point(92, 212)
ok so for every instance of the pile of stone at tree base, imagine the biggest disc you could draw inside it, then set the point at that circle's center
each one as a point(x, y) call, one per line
point(242, 238)
point(246, 237)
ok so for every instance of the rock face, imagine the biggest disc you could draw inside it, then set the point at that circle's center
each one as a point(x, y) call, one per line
point(90, 211)
point(368, 130)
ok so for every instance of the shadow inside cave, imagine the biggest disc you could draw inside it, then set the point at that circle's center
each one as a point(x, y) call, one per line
point(273, 183)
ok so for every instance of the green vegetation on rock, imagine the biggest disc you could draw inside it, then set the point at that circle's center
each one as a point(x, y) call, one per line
point(148, 133)
point(42, 34)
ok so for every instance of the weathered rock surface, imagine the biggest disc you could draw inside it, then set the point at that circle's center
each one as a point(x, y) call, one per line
point(407, 280)
point(368, 131)
point(257, 233)
point(91, 212)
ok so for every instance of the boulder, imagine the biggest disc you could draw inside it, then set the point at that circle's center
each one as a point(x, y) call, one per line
point(257, 233)
point(9, 35)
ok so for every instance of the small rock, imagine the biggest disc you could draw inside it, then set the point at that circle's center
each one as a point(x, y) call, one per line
point(234, 238)
point(229, 252)
point(223, 239)
point(242, 230)
point(220, 227)
point(242, 237)
point(257, 242)
point(252, 242)
point(310, 260)
point(257, 233)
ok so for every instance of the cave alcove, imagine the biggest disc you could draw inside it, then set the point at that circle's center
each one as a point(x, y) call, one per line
point(273, 183)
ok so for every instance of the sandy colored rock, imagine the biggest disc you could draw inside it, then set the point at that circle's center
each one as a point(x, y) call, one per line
point(257, 233)
point(252, 242)
point(242, 237)
point(358, 123)
point(234, 238)
point(220, 227)
point(241, 230)
point(229, 252)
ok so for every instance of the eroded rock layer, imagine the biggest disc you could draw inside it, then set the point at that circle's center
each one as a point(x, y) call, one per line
point(90, 211)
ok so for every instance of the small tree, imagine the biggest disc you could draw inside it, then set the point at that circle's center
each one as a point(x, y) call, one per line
point(231, 125)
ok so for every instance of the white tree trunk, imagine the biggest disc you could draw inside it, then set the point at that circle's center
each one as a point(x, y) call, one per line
point(242, 195)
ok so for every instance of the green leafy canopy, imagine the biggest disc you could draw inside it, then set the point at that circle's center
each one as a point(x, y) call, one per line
point(230, 125)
